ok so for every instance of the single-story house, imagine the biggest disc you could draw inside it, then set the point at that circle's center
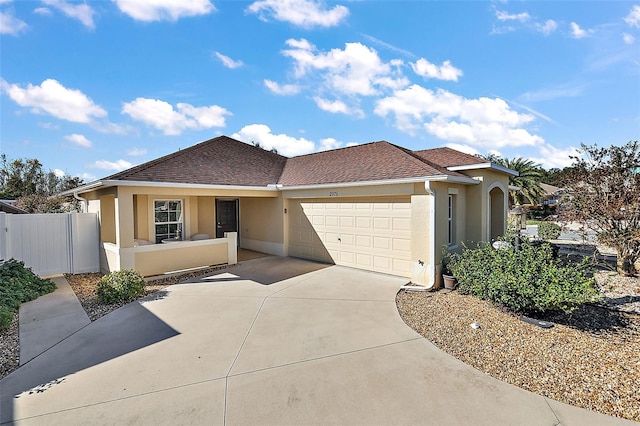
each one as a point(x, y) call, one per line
point(375, 206)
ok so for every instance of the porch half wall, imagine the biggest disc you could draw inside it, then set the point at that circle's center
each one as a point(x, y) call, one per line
point(158, 259)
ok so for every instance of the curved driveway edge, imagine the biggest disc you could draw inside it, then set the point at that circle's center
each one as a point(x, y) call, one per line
point(271, 341)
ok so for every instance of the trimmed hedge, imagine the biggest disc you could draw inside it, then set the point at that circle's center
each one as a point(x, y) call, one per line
point(19, 284)
point(530, 281)
point(549, 230)
point(120, 286)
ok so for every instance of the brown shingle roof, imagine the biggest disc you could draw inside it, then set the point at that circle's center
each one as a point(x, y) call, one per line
point(218, 161)
point(359, 163)
point(226, 161)
point(447, 157)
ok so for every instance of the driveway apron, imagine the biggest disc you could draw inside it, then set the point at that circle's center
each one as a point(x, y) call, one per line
point(270, 341)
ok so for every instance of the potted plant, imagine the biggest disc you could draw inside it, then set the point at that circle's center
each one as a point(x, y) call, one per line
point(448, 278)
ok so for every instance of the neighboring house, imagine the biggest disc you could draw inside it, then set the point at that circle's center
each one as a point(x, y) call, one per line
point(552, 194)
point(7, 206)
point(375, 206)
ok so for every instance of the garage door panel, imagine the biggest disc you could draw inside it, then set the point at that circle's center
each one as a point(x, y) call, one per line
point(383, 243)
point(364, 241)
point(373, 234)
point(401, 244)
point(382, 223)
point(363, 222)
point(401, 224)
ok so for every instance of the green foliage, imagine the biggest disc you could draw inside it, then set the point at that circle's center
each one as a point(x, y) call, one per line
point(22, 177)
point(120, 286)
point(18, 285)
point(529, 281)
point(549, 230)
point(528, 180)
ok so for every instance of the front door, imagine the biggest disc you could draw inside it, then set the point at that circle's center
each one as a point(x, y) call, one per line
point(226, 217)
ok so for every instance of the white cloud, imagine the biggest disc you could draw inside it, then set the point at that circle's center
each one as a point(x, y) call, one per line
point(463, 148)
point(284, 144)
point(482, 122)
point(135, 152)
point(302, 13)
point(330, 143)
point(356, 70)
point(388, 46)
point(282, 89)
point(111, 165)
point(42, 11)
point(9, 24)
point(548, 27)
point(170, 121)
point(337, 106)
point(628, 38)
point(228, 62)
point(80, 11)
point(55, 99)
point(79, 140)
point(164, 10)
point(555, 92)
point(58, 172)
point(577, 32)
point(446, 71)
point(633, 18)
point(551, 156)
point(504, 16)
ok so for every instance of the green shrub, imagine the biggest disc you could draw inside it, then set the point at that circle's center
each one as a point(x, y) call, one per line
point(531, 280)
point(19, 284)
point(120, 286)
point(548, 230)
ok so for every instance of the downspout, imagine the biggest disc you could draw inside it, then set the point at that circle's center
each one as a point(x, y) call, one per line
point(83, 202)
point(431, 262)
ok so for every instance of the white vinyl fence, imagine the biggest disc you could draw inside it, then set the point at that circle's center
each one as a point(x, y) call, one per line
point(51, 243)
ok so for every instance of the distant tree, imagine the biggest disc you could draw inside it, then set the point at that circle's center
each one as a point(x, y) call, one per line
point(528, 180)
point(603, 192)
point(34, 189)
point(36, 203)
point(257, 145)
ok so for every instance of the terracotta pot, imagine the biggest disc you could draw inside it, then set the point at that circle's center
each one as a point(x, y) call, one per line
point(449, 282)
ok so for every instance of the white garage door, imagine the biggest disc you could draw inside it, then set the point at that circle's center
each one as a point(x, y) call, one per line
point(373, 234)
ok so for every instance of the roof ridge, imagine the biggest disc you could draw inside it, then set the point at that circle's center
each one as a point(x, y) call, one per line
point(417, 157)
point(335, 149)
point(180, 152)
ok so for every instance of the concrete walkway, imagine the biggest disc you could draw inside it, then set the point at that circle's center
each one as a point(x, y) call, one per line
point(49, 319)
point(271, 341)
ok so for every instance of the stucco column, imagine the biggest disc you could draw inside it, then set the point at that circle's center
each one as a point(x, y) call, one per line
point(124, 218)
point(422, 239)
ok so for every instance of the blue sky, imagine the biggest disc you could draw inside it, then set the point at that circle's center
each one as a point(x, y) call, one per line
point(90, 88)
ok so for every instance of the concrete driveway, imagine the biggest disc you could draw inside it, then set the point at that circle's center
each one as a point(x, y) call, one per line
point(271, 341)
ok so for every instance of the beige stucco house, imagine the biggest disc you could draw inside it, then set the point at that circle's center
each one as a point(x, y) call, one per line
point(375, 206)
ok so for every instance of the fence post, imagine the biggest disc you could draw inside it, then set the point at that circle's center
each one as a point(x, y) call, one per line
point(3, 235)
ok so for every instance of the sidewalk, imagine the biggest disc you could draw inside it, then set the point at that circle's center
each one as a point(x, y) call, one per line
point(49, 319)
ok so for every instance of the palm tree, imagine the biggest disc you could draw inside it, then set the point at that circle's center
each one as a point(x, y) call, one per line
point(528, 180)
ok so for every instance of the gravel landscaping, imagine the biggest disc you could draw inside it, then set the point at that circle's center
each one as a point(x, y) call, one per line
point(589, 359)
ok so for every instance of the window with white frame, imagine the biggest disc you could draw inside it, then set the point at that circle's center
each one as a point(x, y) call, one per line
point(451, 217)
point(168, 219)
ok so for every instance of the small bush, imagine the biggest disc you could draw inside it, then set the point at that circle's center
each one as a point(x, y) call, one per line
point(19, 284)
point(529, 281)
point(548, 230)
point(120, 286)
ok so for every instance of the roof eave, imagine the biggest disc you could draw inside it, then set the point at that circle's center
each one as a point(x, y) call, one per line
point(492, 166)
point(420, 179)
point(112, 183)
